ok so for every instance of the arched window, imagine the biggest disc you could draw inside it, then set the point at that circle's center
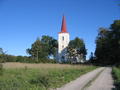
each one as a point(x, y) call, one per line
point(63, 38)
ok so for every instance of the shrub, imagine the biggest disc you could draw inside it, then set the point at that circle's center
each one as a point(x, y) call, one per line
point(1, 69)
point(116, 76)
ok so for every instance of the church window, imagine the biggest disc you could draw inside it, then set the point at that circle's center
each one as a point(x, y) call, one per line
point(63, 38)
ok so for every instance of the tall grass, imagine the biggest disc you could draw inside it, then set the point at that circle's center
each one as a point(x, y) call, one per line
point(116, 76)
point(40, 78)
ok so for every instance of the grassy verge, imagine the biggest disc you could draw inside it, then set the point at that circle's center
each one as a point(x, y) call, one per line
point(116, 76)
point(40, 79)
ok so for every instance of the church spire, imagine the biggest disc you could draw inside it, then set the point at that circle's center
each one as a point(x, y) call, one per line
point(63, 28)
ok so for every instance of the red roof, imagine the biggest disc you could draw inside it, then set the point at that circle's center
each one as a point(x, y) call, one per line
point(63, 28)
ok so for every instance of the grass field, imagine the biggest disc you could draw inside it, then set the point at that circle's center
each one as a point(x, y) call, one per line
point(116, 76)
point(19, 76)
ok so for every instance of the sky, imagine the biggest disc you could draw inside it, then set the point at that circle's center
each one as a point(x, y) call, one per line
point(22, 21)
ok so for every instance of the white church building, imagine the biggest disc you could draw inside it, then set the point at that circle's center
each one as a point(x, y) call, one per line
point(63, 42)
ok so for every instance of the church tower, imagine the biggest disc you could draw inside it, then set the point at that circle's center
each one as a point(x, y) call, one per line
point(63, 41)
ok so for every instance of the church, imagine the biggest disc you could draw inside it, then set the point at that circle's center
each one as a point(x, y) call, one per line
point(63, 42)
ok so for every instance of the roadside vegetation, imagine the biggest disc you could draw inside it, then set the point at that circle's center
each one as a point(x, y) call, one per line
point(40, 78)
point(116, 76)
point(107, 50)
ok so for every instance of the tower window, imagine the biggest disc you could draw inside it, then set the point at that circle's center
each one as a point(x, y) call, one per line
point(63, 46)
point(63, 38)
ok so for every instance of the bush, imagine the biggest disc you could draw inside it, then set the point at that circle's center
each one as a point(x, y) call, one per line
point(2, 58)
point(116, 76)
point(24, 59)
point(1, 69)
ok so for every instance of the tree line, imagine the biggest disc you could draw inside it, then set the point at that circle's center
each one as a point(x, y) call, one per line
point(108, 45)
point(44, 50)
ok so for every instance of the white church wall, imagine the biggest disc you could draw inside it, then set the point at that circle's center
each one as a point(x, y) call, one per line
point(63, 41)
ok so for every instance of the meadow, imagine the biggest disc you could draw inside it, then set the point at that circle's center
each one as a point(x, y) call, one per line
point(21, 76)
point(116, 76)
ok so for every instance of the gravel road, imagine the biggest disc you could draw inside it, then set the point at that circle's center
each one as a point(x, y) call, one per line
point(103, 81)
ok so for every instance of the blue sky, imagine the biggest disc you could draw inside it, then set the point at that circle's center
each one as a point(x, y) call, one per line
point(22, 21)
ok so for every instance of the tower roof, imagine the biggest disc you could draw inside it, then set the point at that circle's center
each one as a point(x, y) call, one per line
point(63, 27)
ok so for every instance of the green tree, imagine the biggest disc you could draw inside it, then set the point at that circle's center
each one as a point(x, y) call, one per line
point(91, 56)
point(38, 51)
point(50, 44)
point(115, 41)
point(101, 46)
point(108, 44)
point(2, 55)
point(76, 48)
point(79, 45)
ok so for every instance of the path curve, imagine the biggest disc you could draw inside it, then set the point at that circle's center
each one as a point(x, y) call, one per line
point(103, 82)
point(79, 83)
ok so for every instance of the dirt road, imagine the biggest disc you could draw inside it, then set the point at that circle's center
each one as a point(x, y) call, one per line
point(103, 82)
point(99, 79)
